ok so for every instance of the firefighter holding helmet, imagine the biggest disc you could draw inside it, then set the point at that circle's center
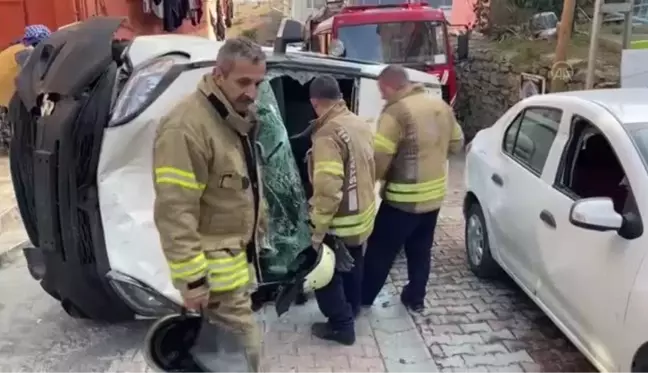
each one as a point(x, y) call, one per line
point(342, 208)
point(209, 203)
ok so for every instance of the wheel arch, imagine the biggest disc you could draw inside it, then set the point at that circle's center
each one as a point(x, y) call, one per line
point(469, 200)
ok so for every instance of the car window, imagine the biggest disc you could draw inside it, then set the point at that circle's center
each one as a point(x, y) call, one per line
point(529, 137)
point(591, 168)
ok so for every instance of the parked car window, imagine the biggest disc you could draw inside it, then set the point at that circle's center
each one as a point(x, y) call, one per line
point(529, 138)
point(590, 168)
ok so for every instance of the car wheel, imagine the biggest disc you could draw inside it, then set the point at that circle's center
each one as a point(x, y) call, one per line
point(640, 363)
point(478, 252)
point(72, 310)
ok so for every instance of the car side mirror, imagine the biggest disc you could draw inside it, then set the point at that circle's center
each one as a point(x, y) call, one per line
point(595, 214)
point(463, 40)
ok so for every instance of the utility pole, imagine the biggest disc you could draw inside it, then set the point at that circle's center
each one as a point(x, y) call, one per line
point(594, 42)
point(558, 83)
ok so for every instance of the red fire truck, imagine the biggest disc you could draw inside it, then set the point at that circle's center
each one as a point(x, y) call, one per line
point(404, 32)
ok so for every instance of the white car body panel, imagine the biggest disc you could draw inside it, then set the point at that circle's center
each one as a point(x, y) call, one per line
point(125, 180)
point(593, 285)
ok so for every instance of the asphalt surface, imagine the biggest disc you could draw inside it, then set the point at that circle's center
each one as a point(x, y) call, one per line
point(38, 336)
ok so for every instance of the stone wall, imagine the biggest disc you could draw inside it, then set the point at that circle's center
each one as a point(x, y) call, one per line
point(489, 83)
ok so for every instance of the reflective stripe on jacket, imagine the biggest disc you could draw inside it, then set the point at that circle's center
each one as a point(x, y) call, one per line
point(208, 205)
point(415, 133)
point(341, 169)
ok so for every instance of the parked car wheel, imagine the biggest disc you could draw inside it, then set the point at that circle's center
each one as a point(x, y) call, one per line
point(478, 252)
point(640, 363)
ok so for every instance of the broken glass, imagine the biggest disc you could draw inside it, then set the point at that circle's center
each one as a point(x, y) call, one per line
point(288, 229)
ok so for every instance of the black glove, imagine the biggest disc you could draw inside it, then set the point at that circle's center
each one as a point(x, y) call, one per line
point(343, 260)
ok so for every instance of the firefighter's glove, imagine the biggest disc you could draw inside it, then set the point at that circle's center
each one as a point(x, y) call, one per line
point(343, 260)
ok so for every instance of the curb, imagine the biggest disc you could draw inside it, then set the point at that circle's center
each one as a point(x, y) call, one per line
point(13, 254)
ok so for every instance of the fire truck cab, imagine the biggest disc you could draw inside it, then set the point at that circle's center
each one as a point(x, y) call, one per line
point(411, 34)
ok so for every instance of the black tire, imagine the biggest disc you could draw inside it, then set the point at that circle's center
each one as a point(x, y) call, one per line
point(640, 362)
point(476, 237)
point(73, 310)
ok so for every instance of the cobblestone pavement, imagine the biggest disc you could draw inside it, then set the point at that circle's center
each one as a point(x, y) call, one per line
point(468, 325)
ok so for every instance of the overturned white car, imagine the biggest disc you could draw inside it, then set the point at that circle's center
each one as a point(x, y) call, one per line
point(88, 109)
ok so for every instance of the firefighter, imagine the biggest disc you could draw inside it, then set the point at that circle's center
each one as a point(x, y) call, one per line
point(415, 133)
point(342, 208)
point(208, 206)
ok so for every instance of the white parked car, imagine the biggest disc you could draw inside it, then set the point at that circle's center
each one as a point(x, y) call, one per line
point(556, 197)
point(82, 158)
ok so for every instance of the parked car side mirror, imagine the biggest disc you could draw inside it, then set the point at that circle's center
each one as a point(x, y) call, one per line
point(596, 214)
point(463, 40)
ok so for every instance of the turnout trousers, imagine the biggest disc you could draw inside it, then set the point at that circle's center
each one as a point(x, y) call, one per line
point(395, 229)
point(232, 311)
point(340, 300)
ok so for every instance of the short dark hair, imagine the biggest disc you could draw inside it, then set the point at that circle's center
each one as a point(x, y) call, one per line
point(395, 76)
point(325, 87)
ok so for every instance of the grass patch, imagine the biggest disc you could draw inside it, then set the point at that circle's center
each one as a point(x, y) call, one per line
point(527, 52)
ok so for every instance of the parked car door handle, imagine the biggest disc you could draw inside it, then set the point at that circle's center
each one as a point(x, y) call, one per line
point(497, 179)
point(548, 218)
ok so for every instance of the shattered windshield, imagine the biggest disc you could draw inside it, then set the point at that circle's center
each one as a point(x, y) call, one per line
point(289, 232)
point(398, 42)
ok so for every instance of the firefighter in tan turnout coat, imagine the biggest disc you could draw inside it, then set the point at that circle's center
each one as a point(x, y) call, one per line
point(342, 208)
point(208, 206)
point(415, 133)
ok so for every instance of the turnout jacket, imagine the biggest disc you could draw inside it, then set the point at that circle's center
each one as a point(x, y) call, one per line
point(415, 133)
point(209, 202)
point(341, 169)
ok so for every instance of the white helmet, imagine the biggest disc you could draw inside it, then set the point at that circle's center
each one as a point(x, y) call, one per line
point(310, 271)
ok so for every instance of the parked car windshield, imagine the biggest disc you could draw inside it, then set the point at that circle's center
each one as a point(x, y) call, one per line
point(398, 42)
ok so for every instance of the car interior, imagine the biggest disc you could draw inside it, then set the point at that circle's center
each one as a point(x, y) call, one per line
point(297, 112)
point(592, 168)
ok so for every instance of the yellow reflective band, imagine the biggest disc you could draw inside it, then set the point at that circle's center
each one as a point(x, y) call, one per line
point(175, 176)
point(417, 192)
point(383, 144)
point(226, 274)
point(354, 225)
point(189, 270)
point(320, 219)
point(456, 133)
point(333, 168)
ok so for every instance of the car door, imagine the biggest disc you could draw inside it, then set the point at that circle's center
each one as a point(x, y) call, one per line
point(525, 147)
point(585, 276)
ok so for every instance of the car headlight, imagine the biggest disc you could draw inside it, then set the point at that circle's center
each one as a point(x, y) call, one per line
point(141, 298)
point(140, 89)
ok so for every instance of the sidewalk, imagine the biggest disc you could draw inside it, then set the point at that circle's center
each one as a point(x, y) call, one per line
point(12, 233)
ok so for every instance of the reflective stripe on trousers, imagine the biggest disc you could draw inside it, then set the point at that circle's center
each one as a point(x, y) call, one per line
point(228, 273)
point(416, 192)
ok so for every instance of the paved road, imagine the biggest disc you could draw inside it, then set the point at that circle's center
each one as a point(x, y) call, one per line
point(469, 324)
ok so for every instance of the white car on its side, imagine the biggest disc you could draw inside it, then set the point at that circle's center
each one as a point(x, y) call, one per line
point(556, 197)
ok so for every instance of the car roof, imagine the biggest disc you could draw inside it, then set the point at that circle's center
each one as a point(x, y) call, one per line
point(202, 49)
point(628, 105)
